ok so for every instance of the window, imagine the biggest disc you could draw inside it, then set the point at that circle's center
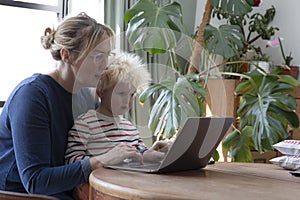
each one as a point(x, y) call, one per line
point(25, 21)
point(21, 51)
point(45, 2)
point(94, 8)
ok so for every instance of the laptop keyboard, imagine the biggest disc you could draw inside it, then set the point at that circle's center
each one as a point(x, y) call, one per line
point(144, 165)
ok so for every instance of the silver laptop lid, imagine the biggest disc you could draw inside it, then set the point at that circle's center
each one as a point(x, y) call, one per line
point(195, 143)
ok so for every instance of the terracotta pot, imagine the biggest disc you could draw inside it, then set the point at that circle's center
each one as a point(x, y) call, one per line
point(222, 101)
point(293, 72)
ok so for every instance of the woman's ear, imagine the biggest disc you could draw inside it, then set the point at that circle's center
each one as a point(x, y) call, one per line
point(65, 55)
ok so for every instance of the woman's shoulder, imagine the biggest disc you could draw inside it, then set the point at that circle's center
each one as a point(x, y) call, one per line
point(46, 82)
point(37, 86)
point(27, 86)
point(38, 80)
point(36, 77)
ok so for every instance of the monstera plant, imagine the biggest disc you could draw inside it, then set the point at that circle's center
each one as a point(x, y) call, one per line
point(240, 30)
point(159, 29)
point(266, 109)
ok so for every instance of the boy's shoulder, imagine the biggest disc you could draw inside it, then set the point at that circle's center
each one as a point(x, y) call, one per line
point(93, 115)
point(87, 116)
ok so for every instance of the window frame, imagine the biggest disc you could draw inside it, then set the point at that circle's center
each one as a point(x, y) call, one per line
point(61, 9)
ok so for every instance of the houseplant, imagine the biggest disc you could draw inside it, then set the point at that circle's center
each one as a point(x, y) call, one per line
point(233, 38)
point(266, 110)
point(182, 95)
point(230, 41)
point(277, 41)
point(286, 66)
point(261, 62)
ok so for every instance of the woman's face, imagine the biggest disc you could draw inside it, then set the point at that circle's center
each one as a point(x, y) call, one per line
point(93, 64)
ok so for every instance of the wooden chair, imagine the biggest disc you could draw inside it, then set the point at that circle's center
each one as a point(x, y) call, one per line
point(7, 195)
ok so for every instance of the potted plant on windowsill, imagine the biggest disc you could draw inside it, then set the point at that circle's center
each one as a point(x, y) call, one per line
point(261, 62)
point(286, 67)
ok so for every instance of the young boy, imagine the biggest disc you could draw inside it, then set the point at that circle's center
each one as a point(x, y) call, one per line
point(99, 131)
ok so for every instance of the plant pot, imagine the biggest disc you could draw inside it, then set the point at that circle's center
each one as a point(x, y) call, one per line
point(293, 71)
point(262, 64)
point(222, 101)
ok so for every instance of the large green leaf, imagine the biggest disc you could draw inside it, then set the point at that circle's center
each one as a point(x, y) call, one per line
point(288, 115)
point(289, 80)
point(265, 111)
point(233, 7)
point(243, 86)
point(176, 98)
point(238, 144)
point(227, 40)
point(268, 109)
point(152, 28)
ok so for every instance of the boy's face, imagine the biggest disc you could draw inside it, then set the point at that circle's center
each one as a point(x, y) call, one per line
point(118, 99)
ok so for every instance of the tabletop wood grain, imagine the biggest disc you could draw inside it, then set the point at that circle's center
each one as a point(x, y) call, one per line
point(219, 181)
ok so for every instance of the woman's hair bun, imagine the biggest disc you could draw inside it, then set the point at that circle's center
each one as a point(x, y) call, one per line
point(48, 39)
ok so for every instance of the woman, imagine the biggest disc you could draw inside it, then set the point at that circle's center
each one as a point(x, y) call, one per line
point(38, 114)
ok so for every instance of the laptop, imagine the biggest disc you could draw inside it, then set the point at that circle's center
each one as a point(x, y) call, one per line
point(192, 149)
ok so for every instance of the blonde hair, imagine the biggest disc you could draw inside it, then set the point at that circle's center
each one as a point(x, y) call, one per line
point(125, 68)
point(78, 34)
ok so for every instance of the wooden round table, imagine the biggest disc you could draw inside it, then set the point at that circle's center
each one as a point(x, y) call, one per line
point(219, 181)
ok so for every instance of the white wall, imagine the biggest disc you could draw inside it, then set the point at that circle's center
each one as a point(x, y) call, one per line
point(286, 19)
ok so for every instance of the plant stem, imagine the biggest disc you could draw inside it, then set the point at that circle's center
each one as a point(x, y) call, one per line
point(281, 49)
point(254, 39)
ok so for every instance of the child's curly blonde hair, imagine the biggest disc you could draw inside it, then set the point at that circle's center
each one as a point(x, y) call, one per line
point(124, 68)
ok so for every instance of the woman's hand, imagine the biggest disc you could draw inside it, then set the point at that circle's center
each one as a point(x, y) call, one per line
point(116, 155)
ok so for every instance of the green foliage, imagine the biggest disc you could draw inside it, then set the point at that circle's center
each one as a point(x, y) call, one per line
point(159, 29)
point(226, 40)
point(266, 107)
point(216, 156)
point(266, 110)
point(230, 8)
point(152, 28)
point(230, 39)
point(177, 99)
point(238, 143)
point(260, 24)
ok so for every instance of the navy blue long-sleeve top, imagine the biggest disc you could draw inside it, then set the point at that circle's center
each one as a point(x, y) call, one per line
point(33, 135)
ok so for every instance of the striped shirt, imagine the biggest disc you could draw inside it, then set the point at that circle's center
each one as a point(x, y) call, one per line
point(94, 134)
